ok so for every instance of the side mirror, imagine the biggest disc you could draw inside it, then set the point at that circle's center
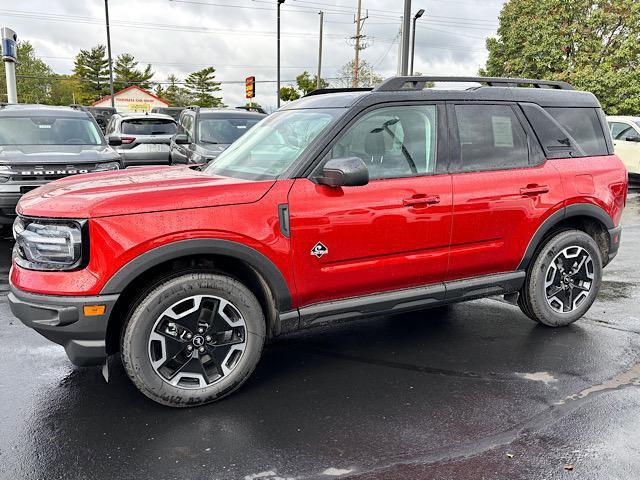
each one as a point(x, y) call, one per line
point(181, 139)
point(633, 138)
point(344, 172)
point(114, 141)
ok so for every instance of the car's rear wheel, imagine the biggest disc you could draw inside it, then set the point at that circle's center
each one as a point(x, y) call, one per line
point(564, 280)
point(193, 339)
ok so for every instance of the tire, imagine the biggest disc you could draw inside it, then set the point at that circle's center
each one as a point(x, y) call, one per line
point(178, 319)
point(563, 281)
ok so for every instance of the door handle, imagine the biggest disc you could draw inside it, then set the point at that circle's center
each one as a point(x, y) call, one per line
point(534, 190)
point(421, 199)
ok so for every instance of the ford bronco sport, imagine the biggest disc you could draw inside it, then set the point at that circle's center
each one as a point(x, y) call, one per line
point(341, 204)
point(40, 143)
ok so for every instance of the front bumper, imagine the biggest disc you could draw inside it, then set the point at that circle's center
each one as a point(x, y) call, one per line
point(61, 319)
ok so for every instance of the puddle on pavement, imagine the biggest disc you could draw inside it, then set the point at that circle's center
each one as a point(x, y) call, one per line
point(544, 377)
point(630, 377)
point(613, 290)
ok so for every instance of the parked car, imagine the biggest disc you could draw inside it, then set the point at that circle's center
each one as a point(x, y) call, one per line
point(339, 205)
point(626, 141)
point(204, 133)
point(173, 112)
point(41, 143)
point(101, 114)
point(142, 138)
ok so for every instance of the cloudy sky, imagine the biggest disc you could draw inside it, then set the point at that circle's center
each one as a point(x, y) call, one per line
point(237, 37)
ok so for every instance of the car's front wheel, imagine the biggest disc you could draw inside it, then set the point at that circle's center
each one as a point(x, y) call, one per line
point(193, 339)
point(564, 280)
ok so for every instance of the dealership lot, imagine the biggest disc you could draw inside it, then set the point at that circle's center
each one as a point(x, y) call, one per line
point(474, 391)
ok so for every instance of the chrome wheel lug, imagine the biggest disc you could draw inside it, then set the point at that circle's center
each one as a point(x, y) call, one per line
point(208, 338)
point(189, 336)
point(201, 330)
point(189, 347)
point(201, 349)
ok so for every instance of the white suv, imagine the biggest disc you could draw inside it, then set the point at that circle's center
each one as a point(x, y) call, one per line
point(626, 141)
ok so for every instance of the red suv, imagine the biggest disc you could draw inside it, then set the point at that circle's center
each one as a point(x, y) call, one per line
point(341, 204)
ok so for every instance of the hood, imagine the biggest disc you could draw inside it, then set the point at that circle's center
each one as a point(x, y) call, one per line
point(43, 154)
point(137, 190)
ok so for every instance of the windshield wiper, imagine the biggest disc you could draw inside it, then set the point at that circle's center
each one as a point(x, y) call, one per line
point(212, 143)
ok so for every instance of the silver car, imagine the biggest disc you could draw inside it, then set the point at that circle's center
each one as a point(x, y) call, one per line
point(141, 138)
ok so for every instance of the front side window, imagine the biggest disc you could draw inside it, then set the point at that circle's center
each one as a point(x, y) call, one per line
point(622, 131)
point(224, 130)
point(583, 124)
point(23, 130)
point(393, 141)
point(491, 138)
point(274, 144)
point(148, 126)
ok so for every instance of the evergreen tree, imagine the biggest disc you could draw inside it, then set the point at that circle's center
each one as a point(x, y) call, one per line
point(91, 68)
point(127, 73)
point(201, 85)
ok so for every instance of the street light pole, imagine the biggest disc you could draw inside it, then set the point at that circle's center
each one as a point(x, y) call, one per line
point(418, 14)
point(320, 50)
point(406, 30)
point(279, 2)
point(106, 14)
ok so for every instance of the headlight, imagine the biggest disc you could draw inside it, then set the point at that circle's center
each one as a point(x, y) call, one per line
point(45, 245)
point(5, 174)
point(102, 167)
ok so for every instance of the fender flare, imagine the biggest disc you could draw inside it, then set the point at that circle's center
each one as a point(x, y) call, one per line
point(203, 246)
point(573, 210)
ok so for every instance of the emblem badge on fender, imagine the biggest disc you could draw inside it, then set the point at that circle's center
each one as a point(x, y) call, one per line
point(319, 250)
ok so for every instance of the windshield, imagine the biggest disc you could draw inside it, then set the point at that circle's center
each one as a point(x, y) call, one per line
point(149, 126)
point(224, 130)
point(48, 131)
point(273, 145)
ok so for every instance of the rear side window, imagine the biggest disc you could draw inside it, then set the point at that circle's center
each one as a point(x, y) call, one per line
point(584, 126)
point(148, 126)
point(491, 138)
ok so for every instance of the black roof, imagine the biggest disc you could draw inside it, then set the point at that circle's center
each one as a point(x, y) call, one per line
point(38, 110)
point(543, 93)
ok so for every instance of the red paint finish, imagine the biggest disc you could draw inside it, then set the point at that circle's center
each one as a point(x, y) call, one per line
point(386, 235)
point(389, 234)
point(496, 213)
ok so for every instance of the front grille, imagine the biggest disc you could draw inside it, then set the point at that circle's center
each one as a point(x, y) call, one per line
point(46, 173)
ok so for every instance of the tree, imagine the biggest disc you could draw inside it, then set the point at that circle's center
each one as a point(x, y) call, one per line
point(34, 77)
point(175, 94)
point(367, 77)
point(201, 86)
point(592, 44)
point(65, 90)
point(305, 83)
point(127, 73)
point(91, 67)
point(159, 91)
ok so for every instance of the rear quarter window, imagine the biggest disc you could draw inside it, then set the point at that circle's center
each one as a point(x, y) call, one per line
point(583, 124)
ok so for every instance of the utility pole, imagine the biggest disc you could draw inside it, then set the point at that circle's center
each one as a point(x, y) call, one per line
point(320, 50)
point(359, 21)
point(399, 67)
point(406, 30)
point(279, 2)
point(106, 14)
point(418, 14)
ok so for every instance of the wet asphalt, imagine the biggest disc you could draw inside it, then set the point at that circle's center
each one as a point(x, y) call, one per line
point(472, 391)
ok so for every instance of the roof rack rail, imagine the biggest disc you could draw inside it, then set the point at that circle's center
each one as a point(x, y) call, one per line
point(195, 108)
point(395, 84)
point(321, 91)
point(77, 106)
point(251, 109)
